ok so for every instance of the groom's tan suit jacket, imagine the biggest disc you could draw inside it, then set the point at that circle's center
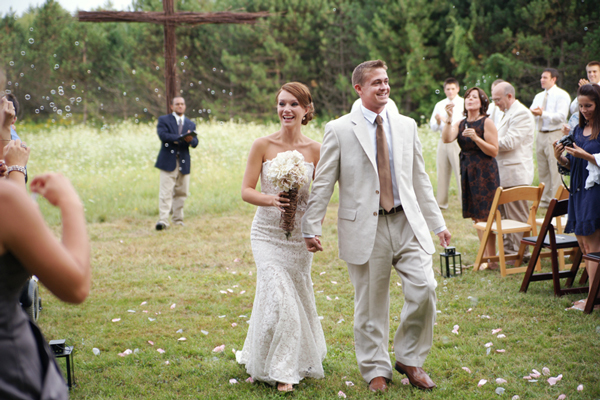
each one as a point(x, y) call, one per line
point(348, 156)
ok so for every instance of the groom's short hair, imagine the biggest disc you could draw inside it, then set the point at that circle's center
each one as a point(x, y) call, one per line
point(361, 70)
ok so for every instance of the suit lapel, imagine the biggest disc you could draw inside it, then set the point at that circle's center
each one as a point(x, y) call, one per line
point(173, 123)
point(362, 134)
point(397, 126)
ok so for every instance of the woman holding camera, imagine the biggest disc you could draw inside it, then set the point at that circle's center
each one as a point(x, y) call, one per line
point(583, 159)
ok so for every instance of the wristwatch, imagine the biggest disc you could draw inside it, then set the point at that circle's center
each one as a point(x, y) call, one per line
point(16, 168)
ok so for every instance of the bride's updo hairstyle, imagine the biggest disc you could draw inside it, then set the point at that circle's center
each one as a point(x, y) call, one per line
point(300, 92)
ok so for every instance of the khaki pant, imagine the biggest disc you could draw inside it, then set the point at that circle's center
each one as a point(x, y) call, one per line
point(172, 193)
point(518, 211)
point(448, 161)
point(547, 168)
point(395, 246)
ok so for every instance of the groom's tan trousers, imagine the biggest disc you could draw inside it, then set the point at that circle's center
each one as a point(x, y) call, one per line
point(397, 246)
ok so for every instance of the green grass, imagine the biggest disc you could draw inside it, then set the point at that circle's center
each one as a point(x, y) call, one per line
point(113, 171)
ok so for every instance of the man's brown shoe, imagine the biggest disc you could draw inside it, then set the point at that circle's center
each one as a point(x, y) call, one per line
point(378, 384)
point(417, 377)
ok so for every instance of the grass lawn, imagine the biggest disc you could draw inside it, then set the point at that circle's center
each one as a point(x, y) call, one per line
point(198, 282)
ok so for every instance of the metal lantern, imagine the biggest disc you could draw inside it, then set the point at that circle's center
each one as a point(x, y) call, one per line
point(449, 266)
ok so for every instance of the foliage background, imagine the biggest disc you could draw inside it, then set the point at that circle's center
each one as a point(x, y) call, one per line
point(111, 71)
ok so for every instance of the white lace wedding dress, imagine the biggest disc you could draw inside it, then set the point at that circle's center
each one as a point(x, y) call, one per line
point(285, 341)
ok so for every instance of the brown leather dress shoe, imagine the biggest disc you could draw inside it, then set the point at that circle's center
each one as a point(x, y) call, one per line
point(417, 377)
point(378, 384)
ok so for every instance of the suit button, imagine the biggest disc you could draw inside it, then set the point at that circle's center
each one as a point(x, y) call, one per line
point(172, 151)
point(374, 214)
point(377, 192)
point(166, 144)
point(183, 161)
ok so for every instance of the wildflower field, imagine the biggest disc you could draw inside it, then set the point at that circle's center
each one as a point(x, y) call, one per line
point(179, 300)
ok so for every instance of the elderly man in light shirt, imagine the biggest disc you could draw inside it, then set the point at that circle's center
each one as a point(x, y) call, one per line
point(550, 108)
point(447, 153)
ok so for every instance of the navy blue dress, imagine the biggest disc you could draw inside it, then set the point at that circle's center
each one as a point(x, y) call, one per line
point(479, 174)
point(584, 212)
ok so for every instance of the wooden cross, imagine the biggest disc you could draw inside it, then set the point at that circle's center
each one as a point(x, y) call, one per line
point(170, 19)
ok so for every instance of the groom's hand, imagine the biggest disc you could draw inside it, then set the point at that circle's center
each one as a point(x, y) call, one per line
point(313, 244)
point(445, 238)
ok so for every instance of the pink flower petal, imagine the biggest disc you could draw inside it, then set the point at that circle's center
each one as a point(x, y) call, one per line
point(535, 371)
point(161, 351)
point(500, 381)
point(469, 310)
point(145, 311)
point(323, 273)
point(349, 383)
point(173, 306)
point(482, 382)
point(116, 319)
point(128, 352)
point(467, 369)
point(334, 282)
point(562, 397)
point(167, 362)
point(545, 371)
point(237, 260)
point(500, 336)
point(234, 325)
point(144, 303)
point(527, 377)
point(250, 380)
point(233, 381)
point(341, 394)
point(455, 329)
point(515, 397)
point(405, 381)
point(494, 331)
point(150, 342)
point(535, 376)
point(219, 349)
point(500, 351)
point(580, 388)
point(242, 292)
point(181, 339)
point(489, 344)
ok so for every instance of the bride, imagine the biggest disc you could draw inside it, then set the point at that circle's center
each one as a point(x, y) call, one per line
point(285, 341)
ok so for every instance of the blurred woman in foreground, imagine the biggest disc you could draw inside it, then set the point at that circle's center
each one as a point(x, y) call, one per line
point(28, 247)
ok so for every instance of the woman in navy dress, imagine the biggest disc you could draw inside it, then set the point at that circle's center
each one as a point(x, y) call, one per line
point(478, 140)
point(583, 160)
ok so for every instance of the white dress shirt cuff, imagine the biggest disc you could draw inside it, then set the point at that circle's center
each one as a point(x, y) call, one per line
point(439, 230)
point(308, 236)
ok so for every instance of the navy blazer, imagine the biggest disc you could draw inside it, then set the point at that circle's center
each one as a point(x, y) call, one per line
point(173, 146)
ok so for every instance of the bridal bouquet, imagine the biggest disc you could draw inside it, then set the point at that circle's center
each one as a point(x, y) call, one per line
point(288, 173)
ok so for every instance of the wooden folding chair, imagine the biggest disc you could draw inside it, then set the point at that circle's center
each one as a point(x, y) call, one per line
point(559, 224)
point(549, 239)
point(495, 224)
point(593, 293)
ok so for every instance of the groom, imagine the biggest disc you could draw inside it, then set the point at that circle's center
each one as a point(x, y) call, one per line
point(386, 210)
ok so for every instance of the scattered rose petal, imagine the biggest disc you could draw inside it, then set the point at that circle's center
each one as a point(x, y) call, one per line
point(179, 331)
point(233, 381)
point(455, 330)
point(488, 351)
point(485, 316)
point(500, 391)
point(500, 336)
point(341, 394)
point(150, 342)
point(467, 369)
point(250, 380)
point(181, 339)
point(336, 298)
point(545, 371)
point(398, 283)
point(553, 380)
point(144, 303)
point(323, 273)
point(219, 349)
point(128, 352)
point(222, 291)
point(469, 310)
point(349, 383)
point(500, 351)
point(405, 381)
point(204, 332)
point(340, 321)
point(121, 354)
point(222, 316)
point(500, 381)
point(250, 273)
point(145, 311)
point(242, 292)
point(243, 316)
point(334, 282)
point(96, 352)
point(233, 351)
point(328, 298)
point(482, 382)
point(116, 319)
point(173, 306)
point(161, 351)
point(230, 290)
point(580, 388)
point(515, 397)
point(131, 311)
point(169, 276)
point(234, 325)
point(167, 362)
point(151, 319)
point(488, 344)
point(535, 371)
point(136, 351)
point(562, 397)
point(527, 377)
point(494, 331)
point(237, 260)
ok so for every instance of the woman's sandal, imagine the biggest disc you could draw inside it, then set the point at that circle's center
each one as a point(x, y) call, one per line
point(285, 387)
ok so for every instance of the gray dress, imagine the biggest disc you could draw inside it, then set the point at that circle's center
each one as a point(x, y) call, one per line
point(27, 367)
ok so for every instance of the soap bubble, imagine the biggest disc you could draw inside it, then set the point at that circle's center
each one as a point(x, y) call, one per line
point(41, 107)
point(56, 66)
point(31, 29)
point(37, 110)
point(214, 70)
point(437, 91)
point(27, 97)
point(32, 66)
point(12, 63)
point(53, 91)
point(212, 92)
point(156, 90)
point(76, 43)
point(157, 67)
point(79, 99)
point(67, 108)
point(31, 41)
point(23, 53)
point(73, 87)
point(133, 71)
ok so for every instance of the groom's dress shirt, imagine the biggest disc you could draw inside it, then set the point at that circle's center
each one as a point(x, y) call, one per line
point(372, 127)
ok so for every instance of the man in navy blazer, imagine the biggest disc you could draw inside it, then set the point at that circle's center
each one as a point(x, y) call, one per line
point(174, 163)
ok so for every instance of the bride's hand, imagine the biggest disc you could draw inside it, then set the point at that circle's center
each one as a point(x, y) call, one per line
point(280, 200)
